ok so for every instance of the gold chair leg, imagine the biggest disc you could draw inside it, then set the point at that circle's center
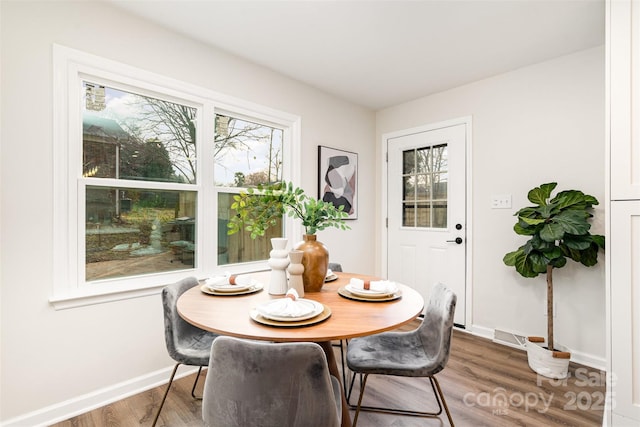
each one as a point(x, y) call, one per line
point(444, 402)
point(363, 384)
point(166, 392)
point(437, 392)
point(348, 393)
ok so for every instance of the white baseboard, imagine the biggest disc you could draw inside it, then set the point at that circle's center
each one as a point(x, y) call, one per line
point(588, 360)
point(96, 399)
point(481, 331)
point(622, 421)
point(576, 356)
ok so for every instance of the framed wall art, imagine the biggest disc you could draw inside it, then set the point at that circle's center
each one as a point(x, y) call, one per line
point(338, 179)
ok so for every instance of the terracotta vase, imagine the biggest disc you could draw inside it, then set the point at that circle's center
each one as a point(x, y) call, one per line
point(315, 261)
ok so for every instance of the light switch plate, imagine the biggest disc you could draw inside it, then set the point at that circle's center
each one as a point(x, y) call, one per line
point(501, 201)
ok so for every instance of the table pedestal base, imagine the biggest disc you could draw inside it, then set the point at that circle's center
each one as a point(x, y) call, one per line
point(333, 369)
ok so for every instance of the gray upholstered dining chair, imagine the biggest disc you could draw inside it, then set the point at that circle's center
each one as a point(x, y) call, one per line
point(265, 384)
point(422, 352)
point(334, 266)
point(186, 344)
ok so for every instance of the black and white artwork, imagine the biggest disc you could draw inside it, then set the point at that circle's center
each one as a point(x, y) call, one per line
point(338, 179)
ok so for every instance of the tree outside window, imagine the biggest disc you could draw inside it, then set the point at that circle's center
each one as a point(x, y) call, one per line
point(140, 165)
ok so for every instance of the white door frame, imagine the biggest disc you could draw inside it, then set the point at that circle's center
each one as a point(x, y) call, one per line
point(467, 122)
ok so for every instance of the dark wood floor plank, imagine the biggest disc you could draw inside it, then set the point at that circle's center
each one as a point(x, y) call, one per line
point(485, 384)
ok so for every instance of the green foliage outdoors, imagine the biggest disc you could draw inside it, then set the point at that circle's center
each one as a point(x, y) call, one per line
point(559, 229)
point(139, 215)
point(259, 208)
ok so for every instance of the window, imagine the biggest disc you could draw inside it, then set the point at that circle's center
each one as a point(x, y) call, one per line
point(146, 226)
point(424, 185)
point(145, 173)
point(246, 154)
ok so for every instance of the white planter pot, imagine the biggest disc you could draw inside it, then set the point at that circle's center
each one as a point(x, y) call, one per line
point(551, 364)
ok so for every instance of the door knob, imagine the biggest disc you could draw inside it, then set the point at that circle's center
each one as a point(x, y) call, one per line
point(457, 240)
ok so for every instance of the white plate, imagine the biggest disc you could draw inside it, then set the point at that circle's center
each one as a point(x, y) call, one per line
point(313, 309)
point(369, 293)
point(343, 292)
point(331, 278)
point(242, 284)
point(255, 288)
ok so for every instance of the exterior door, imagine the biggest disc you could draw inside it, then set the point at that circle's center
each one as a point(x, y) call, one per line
point(426, 233)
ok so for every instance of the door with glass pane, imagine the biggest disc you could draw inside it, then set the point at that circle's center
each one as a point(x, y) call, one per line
point(426, 211)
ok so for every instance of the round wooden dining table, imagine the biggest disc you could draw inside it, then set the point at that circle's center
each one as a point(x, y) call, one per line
point(345, 317)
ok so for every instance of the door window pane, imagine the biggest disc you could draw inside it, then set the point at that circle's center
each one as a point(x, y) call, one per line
point(408, 162)
point(424, 185)
point(440, 158)
point(440, 214)
point(409, 188)
point(131, 231)
point(423, 215)
point(440, 181)
point(423, 160)
point(408, 215)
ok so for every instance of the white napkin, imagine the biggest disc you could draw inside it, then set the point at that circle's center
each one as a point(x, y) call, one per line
point(329, 272)
point(375, 286)
point(222, 282)
point(289, 306)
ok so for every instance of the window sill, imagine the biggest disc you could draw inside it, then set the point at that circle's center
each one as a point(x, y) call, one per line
point(100, 293)
point(82, 298)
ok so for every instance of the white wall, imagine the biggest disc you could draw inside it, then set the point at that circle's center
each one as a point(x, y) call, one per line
point(49, 356)
point(538, 124)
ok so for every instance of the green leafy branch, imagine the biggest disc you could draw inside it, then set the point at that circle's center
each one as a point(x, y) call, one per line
point(259, 208)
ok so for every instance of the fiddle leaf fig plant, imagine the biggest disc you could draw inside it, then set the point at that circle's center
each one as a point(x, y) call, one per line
point(259, 208)
point(559, 230)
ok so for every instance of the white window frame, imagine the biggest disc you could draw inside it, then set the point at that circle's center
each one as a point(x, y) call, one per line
point(70, 68)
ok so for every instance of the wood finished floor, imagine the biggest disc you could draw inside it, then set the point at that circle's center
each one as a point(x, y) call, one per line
point(485, 384)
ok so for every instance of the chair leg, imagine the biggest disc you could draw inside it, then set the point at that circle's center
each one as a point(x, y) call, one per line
point(437, 392)
point(166, 392)
point(348, 394)
point(363, 383)
point(444, 402)
point(193, 389)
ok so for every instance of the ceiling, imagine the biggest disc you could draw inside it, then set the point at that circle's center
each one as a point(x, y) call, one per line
point(379, 53)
